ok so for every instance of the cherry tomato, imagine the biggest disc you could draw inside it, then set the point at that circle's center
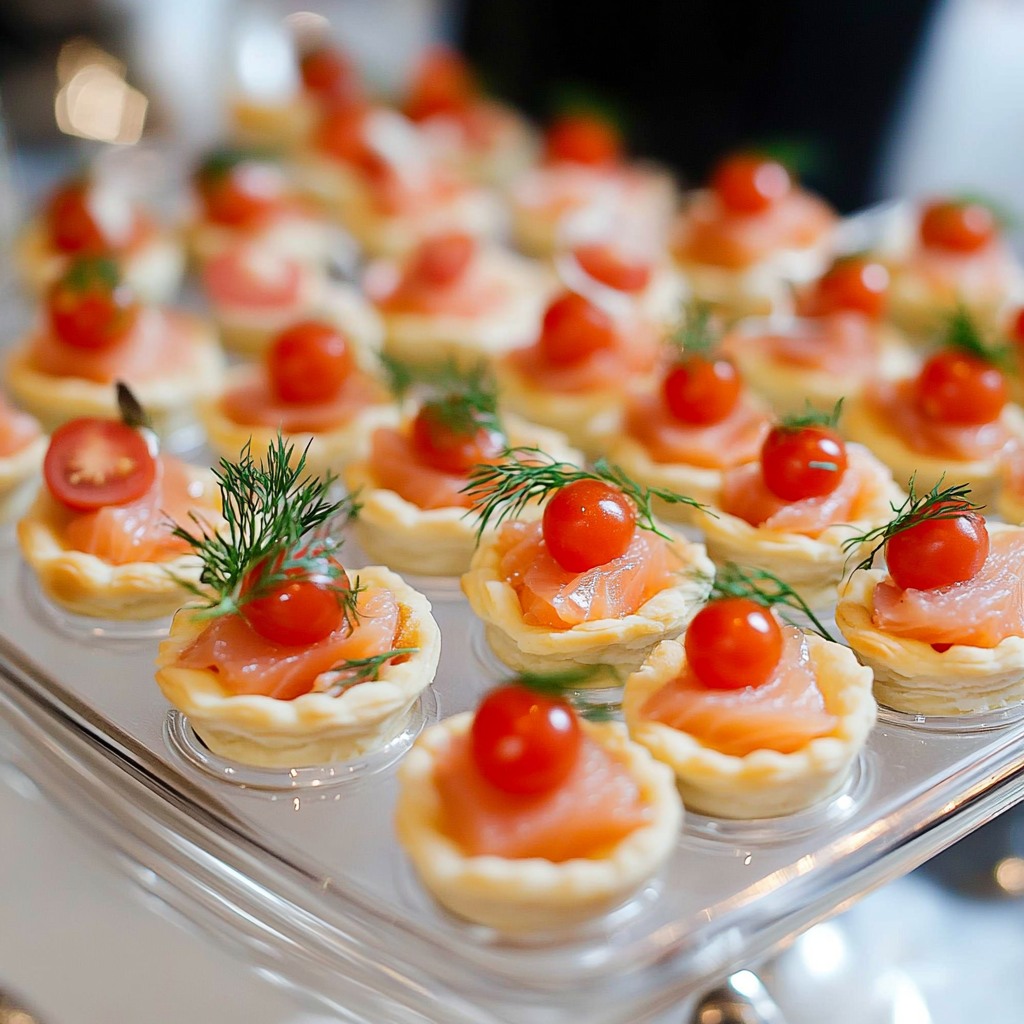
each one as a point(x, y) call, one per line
point(341, 135)
point(329, 74)
point(1017, 326)
point(93, 463)
point(443, 259)
point(449, 449)
point(524, 742)
point(588, 523)
point(938, 552)
point(239, 192)
point(583, 139)
point(575, 329)
point(298, 613)
point(702, 389)
point(749, 183)
point(309, 362)
point(604, 263)
point(90, 307)
point(960, 227)
point(73, 228)
point(443, 84)
point(854, 284)
point(802, 462)
point(732, 643)
point(957, 387)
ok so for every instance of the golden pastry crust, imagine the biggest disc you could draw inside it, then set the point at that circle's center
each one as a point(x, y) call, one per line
point(419, 338)
point(532, 894)
point(18, 475)
point(314, 728)
point(763, 783)
point(789, 388)
point(862, 423)
point(251, 332)
point(169, 397)
point(911, 676)
point(284, 126)
point(327, 451)
point(154, 268)
point(619, 643)
point(813, 566)
point(438, 541)
point(87, 585)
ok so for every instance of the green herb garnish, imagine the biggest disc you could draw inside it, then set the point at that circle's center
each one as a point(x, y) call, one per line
point(693, 335)
point(359, 670)
point(812, 417)
point(566, 684)
point(964, 335)
point(131, 410)
point(502, 491)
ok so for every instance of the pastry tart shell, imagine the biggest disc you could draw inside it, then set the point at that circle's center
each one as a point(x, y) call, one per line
point(763, 783)
point(18, 478)
point(315, 728)
point(911, 676)
point(532, 894)
point(619, 643)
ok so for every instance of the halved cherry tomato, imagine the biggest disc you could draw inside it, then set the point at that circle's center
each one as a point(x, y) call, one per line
point(938, 552)
point(583, 139)
point(298, 613)
point(443, 84)
point(448, 447)
point(309, 362)
point(72, 226)
point(702, 389)
point(609, 266)
point(523, 741)
point(574, 329)
point(957, 387)
point(90, 307)
point(802, 462)
point(240, 192)
point(732, 643)
point(92, 463)
point(588, 523)
point(443, 259)
point(961, 227)
point(750, 183)
point(329, 74)
point(855, 284)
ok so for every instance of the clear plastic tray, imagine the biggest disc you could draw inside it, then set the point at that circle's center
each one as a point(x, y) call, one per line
point(304, 868)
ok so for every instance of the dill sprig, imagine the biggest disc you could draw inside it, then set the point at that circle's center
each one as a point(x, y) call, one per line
point(502, 491)
point(270, 508)
point(939, 503)
point(693, 334)
point(764, 587)
point(963, 334)
point(812, 417)
point(566, 684)
point(222, 162)
point(353, 671)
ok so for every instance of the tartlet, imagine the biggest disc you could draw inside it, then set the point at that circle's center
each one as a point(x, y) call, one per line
point(22, 447)
point(532, 894)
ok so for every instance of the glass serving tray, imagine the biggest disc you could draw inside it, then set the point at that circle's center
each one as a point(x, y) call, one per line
point(303, 867)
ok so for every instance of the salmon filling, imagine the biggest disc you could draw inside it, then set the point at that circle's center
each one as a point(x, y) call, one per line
point(246, 663)
point(980, 612)
point(896, 404)
point(140, 531)
point(470, 295)
point(559, 599)
point(597, 806)
point(256, 404)
point(160, 345)
point(713, 235)
point(783, 714)
point(733, 441)
point(17, 430)
point(396, 467)
point(844, 344)
point(746, 496)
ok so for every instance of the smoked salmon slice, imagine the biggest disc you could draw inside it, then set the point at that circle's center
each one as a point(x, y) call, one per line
point(245, 662)
point(746, 496)
point(783, 714)
point(598, 805)
point(396, 467)
point(17, 430)
point(140, 531)
point(896, 405)
point(845, 344)
point(733, 441)
point(554, 597)
point(252, 277)
point(977, 613)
